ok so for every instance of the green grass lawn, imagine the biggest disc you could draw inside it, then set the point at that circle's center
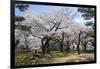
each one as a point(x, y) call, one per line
point(25, 58)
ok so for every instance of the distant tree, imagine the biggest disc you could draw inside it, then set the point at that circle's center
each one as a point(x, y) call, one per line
point(88, 14)
point(22, 7)
point(23, 29)
point(19, 18)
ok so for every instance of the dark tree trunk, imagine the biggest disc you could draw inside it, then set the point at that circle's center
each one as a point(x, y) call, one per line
point(85, 43)
point(26, 44)
point(48, 49)
point(62, 43)
point(85, 46)
point(68, 46)
point(16, 43)
point(78, 48)
point(45, 45)
point(43, 48)
point(61, 47)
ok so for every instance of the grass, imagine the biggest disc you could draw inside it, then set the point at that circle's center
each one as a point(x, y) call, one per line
point(25, 57)
point(56, 54)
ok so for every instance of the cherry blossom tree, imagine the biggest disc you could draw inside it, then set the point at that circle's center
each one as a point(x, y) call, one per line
point(41, 31)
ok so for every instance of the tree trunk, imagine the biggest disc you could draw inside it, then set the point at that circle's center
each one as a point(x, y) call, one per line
point(78, 48)
point(68, 46)
point(85, 43)
point(16, 43)
point(62, 43)
point(26, 45)
point(61, 47)
point(45, 45)
point(43, 48)
point(48, 49)
point(85, 46)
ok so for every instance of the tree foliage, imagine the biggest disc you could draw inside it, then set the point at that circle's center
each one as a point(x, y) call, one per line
point(87, 13)
point(19, 18)
point(22, 7)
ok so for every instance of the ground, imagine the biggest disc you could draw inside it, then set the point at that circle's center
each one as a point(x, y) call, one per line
point(73, 58)
point(25, 58)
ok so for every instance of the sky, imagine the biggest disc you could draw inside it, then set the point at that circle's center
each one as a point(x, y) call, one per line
point(39, 9)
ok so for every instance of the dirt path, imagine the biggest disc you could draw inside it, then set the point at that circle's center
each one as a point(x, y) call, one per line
point(75, 58)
